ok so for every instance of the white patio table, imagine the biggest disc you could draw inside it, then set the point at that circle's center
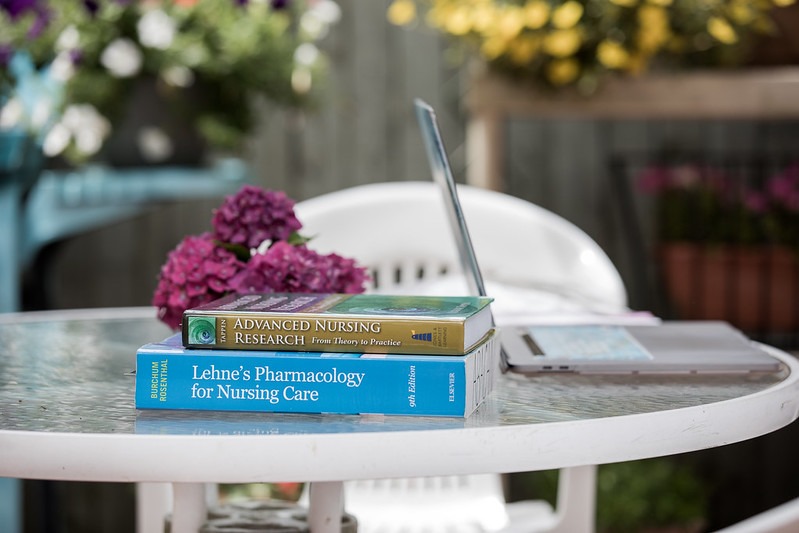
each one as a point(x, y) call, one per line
point(67, 413)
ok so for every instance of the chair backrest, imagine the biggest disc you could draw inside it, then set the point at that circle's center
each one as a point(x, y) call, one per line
point(400, 231)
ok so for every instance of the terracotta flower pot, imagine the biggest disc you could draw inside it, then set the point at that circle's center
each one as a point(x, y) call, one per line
point(755, 288)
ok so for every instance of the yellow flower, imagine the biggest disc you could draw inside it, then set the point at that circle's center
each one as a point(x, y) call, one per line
point(653, 17)
point(493, 47)
point(523, 49)
point(722, 30)
point(624, 3)
point(548, 39)
point(459, 22)
point(612, 54)
point(562, 71)
point(536, 14)
point(567, 15)
point(511, 22)
point(484, 17)
point(654, 29)
point(438, 15)
point(401, 12)
point(742, 13)
point(562, 43)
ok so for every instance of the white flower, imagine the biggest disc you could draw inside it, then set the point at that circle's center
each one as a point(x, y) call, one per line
point(316, 22)
point(62, 68)
point(11, 113)
point(81, 123)
point(88, 141)
point(56, 140)
point(301, 80)
point(313, 26)
point(122, 58)
point(178, 76)
point(154, 145)
point(306, 54)
point(327, 11)
point(69, 39)
point(156, 29)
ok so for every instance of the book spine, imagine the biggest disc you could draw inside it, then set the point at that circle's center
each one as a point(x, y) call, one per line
point(323, 333)
point(320, 384)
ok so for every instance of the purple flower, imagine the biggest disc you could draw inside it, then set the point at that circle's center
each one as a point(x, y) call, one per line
point(755, 201)
point(254, 215)
point(16, 8)
point(287, 268)
point(19, 8)
point(198, 270)
point(654, 180)
point(92, 6)
point(40, 23)
point(205, 267)
point(345, 275)
point(783, 188)
point(76, 56)
point(279, 4)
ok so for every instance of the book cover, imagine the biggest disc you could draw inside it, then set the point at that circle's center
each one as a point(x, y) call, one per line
point(371, 323)
point(169, 376)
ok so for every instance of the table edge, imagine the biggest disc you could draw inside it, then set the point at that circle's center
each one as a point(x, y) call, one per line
point(332, 457)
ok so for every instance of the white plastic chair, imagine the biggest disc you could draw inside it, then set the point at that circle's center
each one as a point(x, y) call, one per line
point(780, 519)
point(399, 230)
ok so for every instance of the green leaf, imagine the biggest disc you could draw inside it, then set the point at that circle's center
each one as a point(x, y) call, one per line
point(295, 239)
point(241, 252)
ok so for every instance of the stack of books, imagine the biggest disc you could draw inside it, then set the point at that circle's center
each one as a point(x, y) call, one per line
point(325, 353)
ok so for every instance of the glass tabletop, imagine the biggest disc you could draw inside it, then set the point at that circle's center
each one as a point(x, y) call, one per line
point(74, 373)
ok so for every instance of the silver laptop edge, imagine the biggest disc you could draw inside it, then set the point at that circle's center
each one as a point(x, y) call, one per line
point(442, 175)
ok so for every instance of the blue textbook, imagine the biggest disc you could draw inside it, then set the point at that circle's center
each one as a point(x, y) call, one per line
point(169, 376)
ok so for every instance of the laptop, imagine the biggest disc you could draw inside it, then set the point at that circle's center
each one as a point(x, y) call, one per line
point(669, 347)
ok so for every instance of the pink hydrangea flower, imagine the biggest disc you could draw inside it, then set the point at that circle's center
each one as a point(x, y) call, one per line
point(197, 271)
point(654, 180)
point(287, 268)
point(254, 215)
point(783, 188)
point(206, 267)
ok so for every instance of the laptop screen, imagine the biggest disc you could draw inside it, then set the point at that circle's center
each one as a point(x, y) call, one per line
point(442, 174)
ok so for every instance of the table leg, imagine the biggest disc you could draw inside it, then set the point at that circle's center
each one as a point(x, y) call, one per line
point(189, 507)
point(576, 505)
point(153, 503)
point(326, 506)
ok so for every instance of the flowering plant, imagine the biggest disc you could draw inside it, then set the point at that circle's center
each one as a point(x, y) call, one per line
point(576, 42)
point(706, 204)
point(254, 246)
point(211, 60)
